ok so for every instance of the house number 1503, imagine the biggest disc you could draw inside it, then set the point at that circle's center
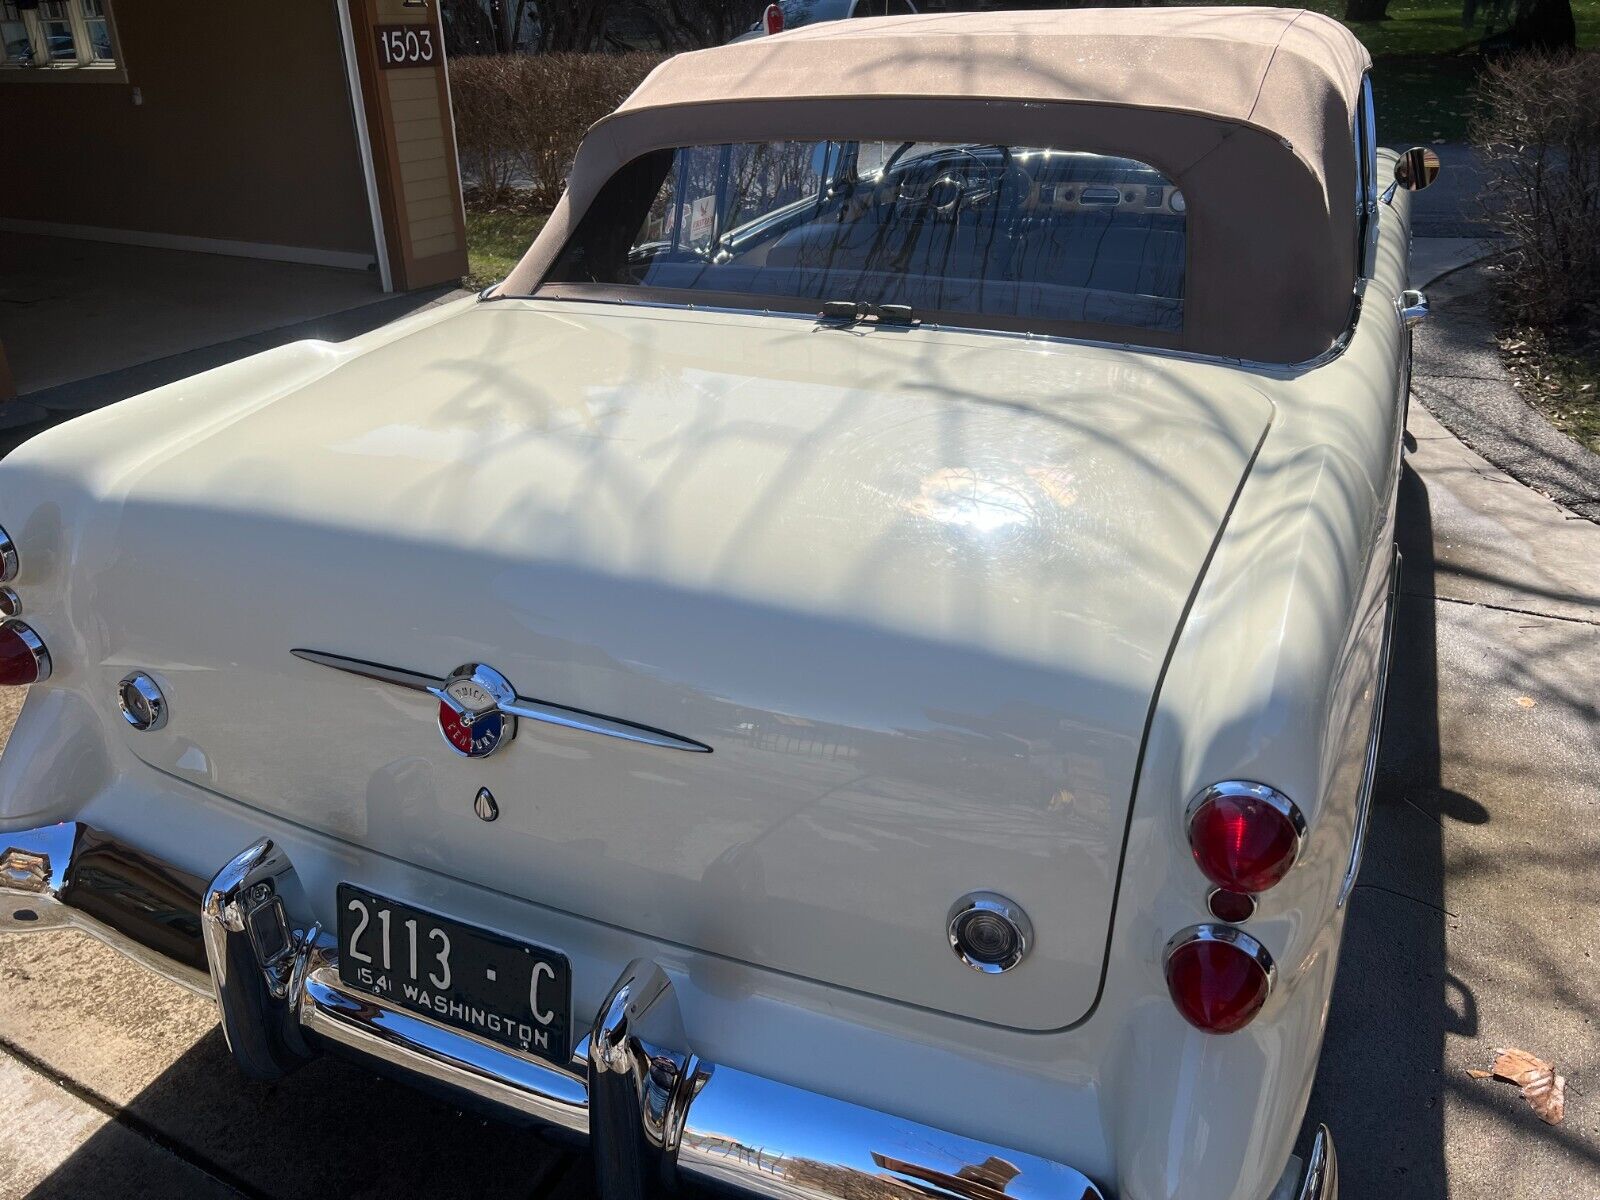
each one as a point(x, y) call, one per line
point(405, 46)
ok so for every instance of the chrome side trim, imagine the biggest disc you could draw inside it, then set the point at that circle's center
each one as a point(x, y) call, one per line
point(527, 708)
point(72, 876)
point(1369, 771)
point(1322, 1169)
point(1233, 937)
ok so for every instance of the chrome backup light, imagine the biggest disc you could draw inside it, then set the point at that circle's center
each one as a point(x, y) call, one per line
point(10, 604)
point(8, 558)
point(142, 703)
point(1244, 836)
point(23, 658)
point(989, 932)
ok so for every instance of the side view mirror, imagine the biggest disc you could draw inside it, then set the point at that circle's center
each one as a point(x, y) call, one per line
point(1415, 170)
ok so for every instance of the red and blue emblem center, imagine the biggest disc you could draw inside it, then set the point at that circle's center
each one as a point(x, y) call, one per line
point(471, 714)
point(482, 737)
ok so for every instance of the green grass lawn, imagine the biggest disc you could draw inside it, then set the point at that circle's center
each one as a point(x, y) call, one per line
point(495, 240)
point(1424, 65)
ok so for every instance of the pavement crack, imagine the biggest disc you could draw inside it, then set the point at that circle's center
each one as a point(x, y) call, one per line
point(134, 1123)
point(1404, 896)
point(1505, 608)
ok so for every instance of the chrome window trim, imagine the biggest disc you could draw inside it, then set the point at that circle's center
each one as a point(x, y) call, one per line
point(1231, 935)
point(1366, 135)
point(1339, 346)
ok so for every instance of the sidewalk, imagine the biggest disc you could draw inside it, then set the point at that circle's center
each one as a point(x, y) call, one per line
point(1473, 924)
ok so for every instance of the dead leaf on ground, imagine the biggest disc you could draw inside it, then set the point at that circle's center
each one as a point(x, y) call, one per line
point(1542, 1088)
point(1525, 701)
point(1480, 1074)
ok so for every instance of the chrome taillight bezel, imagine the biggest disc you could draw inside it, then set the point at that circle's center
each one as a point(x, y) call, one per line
point(1230, 935)
point(10, 563)
point(1271, 796)
point(35, 646)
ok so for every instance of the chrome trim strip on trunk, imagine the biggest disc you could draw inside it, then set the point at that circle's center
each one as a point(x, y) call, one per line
point(525, 707)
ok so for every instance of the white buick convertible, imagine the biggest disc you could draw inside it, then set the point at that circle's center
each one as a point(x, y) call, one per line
point(854, 672)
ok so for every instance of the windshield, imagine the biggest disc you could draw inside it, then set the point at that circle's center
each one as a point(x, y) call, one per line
point(976, 233)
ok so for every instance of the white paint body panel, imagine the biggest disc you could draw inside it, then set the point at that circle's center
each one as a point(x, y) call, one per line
point(957, 562)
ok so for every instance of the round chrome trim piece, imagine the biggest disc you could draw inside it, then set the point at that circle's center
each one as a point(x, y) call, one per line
point(1008, 911)
point(148, 691)
point(1231, 935)
point(9, 564)
point(10, 604)
point(30, 639)
point(1259, 791)
point(1211, 906)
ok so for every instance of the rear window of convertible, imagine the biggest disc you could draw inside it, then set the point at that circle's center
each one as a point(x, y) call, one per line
point(968, 233)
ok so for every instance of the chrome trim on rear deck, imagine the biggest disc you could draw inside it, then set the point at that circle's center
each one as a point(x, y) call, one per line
point(541, 711)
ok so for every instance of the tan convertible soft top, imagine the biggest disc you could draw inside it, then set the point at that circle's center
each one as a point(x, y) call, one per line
point(1248, 110)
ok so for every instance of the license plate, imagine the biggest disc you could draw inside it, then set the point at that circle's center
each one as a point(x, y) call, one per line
point(504, 991)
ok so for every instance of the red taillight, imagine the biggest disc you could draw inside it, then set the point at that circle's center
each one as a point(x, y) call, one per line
point(772, 19)
point(23, 658)
point(1219, 977)
point(1245, 836)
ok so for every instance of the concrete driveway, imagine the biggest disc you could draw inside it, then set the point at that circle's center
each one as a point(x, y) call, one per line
point(1473, 927)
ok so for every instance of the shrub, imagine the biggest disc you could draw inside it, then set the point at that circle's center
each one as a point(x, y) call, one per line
point(1539, 135)
point(520, 117)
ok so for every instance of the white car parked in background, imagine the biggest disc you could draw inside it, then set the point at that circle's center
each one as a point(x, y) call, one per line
point(855, 672)
point(793, 14)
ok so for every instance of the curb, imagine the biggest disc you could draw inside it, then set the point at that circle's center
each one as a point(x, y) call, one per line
point(1460, 377)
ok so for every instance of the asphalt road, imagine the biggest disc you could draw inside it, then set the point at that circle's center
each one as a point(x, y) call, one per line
point(1472, 928)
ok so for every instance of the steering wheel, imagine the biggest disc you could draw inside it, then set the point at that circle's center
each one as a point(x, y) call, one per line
point(958, 187)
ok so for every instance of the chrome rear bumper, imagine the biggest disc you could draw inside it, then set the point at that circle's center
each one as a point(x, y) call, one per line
point(657, 1118)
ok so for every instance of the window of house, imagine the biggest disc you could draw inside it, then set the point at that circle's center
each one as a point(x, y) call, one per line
point(56, 34)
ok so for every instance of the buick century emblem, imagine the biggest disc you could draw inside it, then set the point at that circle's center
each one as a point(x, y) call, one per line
point(470, 710)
